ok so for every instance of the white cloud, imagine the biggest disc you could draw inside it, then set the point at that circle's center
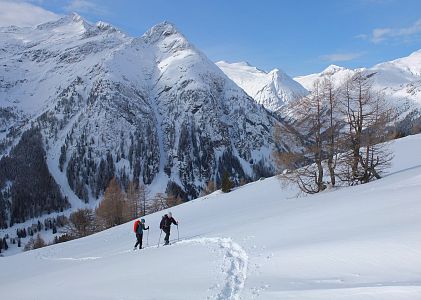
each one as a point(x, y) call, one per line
point(362, 36)
point(400, 34)
point(337, 57)
point(85, 6)
point(22, 13)
point(379, 34)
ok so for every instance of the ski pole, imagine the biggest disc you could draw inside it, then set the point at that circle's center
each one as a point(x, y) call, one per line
point(159, 240)
point(147, 239)
point(178, 234)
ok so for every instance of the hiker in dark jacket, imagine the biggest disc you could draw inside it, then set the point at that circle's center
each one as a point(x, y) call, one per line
point(139, 233)
point(165, 225)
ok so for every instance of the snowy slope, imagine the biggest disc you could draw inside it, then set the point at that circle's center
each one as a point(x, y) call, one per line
point(272, 90)
point(257, 242)
point(400, 78)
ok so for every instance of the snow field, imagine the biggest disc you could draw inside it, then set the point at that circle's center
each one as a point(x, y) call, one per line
point(257, 242)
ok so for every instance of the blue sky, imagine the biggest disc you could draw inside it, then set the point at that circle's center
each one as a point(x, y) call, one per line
point(300, 37)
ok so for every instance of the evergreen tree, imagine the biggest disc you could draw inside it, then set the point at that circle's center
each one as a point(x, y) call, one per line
point(3, 213)
point(226, 184)
point(5, 245)
point(62, 158)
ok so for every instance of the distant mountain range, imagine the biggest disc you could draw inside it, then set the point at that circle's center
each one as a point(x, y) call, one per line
point(398, 80)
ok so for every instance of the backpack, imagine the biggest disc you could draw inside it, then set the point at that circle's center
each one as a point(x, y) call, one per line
point(162, 223)
point(136, 225)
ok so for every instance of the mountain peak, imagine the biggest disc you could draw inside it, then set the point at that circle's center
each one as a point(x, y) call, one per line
point(160, 30)
point(278, 73)
point(271, 89)
point(75, 17)
point(104, 26)
point(166, 36)
point(71, 19)
point(332, 69)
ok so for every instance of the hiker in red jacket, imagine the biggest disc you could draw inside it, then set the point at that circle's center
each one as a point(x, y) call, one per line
point(139, 227)
point(165, 225)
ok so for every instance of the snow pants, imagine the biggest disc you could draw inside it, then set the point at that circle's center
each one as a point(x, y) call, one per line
point(167, 234)
point(139, 238)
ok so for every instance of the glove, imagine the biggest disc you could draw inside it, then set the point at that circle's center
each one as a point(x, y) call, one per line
point(148, 228)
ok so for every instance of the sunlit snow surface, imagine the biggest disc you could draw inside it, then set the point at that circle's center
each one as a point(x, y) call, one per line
point(257, 242)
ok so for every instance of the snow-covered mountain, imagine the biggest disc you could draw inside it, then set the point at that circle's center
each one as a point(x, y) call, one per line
point(399, 80)
point(336, 73)
point(154, 109)
point(355, 243)
point(272, 90)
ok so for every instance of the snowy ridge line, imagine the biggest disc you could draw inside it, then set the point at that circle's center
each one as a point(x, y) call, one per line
point(235, 265)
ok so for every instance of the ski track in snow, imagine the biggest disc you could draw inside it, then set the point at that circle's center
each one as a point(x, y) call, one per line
point(234, 265)
point(73, 258)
